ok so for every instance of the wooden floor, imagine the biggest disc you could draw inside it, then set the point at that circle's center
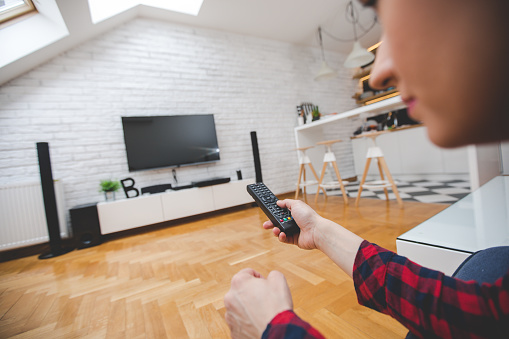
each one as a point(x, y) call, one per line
point(170, 282)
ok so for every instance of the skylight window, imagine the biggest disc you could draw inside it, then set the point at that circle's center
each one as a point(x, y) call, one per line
point(10, 9)
point(104, 9)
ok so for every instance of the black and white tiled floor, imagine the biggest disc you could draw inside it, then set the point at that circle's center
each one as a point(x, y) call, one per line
point(446, 192)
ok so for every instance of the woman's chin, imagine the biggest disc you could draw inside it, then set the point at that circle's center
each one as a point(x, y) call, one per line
point(445, 139)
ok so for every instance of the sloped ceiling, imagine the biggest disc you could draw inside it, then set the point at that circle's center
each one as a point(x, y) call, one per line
point(291, 21)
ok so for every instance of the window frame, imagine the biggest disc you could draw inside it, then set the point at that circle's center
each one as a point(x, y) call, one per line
point(17, 11)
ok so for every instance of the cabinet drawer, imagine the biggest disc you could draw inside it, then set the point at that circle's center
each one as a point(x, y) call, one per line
point(231, 194)
point(129, 213)
point(187, 202)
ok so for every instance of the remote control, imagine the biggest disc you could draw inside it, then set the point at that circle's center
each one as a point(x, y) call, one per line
point(266, 200)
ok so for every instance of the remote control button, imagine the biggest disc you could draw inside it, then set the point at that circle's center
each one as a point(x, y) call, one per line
point(267, 200)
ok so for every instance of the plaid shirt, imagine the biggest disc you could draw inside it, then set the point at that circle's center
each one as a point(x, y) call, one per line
point(288, 325)
point(427, 302)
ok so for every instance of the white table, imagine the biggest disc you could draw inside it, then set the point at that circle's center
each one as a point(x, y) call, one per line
point(476, 222)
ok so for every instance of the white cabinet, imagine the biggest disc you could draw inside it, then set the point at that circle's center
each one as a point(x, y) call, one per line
point(418, 155)
point(231, 194)
point(145, 210)
point(124, 214)
point(179, 204)
point(411, 152)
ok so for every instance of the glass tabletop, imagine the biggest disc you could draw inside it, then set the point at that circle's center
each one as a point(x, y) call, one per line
point(478, 221)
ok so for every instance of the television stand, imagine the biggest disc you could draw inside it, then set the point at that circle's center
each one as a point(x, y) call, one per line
point(121, 215)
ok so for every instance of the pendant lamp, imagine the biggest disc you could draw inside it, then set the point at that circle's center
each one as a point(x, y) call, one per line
point(325, 71)
point(359, 56)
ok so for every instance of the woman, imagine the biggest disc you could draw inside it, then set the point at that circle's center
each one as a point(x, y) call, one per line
point(448, 60)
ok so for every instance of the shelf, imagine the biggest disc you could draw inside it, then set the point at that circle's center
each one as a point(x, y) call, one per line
point(389, 94)
point(376, 108)
point(362, 74)
point(377, 133)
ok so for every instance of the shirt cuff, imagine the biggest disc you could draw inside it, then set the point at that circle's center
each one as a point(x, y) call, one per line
point(288, 325)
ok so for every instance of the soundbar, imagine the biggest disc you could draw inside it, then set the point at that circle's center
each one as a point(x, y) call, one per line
point(203, 183)
point(210, 182)
point(156, 188)
point(183, 187)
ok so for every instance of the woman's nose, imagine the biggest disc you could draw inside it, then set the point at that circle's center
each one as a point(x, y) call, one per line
point(382, 73)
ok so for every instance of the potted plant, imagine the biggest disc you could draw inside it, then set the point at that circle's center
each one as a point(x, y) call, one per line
point(109, 187)
point(316, 113)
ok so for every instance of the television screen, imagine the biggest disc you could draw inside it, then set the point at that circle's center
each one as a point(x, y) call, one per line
point(169, 141)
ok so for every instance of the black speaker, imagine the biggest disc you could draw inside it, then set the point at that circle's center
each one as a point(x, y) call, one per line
point(85, 225)
point(256, 157)
point(50, 203)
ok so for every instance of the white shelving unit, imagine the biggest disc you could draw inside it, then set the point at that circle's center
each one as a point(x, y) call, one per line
point(145, 210)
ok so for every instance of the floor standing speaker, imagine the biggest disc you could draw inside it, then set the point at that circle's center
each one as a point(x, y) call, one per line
point(85, 225)
point(256, 157)
point(50, 203)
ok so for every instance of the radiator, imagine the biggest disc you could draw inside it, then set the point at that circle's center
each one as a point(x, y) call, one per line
point(22, 215)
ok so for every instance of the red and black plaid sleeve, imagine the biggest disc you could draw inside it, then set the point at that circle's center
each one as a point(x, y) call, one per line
point(427, 302)
point(287, 325)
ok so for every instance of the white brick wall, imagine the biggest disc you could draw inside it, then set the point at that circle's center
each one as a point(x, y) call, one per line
point(148, 67)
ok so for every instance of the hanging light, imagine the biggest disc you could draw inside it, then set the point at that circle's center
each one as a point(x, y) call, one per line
point(359, 55)
point(325, 71)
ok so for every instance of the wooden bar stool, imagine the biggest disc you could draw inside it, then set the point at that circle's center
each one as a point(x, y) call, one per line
point(330, 158)
point(375, 152)
point(303, 161)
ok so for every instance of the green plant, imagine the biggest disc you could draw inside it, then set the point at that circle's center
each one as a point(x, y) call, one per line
point(316, 113)
point(109, 186)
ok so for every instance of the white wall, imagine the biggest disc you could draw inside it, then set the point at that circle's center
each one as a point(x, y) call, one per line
point(148, 67)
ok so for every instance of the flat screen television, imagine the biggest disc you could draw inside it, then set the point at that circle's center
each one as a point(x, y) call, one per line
point(169, 141)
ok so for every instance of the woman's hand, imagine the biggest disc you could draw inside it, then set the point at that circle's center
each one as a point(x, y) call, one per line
point(305, 217)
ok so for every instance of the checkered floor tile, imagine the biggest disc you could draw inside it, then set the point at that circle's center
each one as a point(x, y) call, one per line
point(446, 192)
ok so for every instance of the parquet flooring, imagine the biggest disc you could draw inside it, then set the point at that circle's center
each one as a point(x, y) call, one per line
point(170, 282)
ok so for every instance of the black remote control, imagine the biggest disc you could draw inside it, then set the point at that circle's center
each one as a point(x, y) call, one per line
point(266, 200)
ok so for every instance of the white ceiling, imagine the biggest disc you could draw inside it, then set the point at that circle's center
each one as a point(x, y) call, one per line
point(290, 21)
point(293, 21)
